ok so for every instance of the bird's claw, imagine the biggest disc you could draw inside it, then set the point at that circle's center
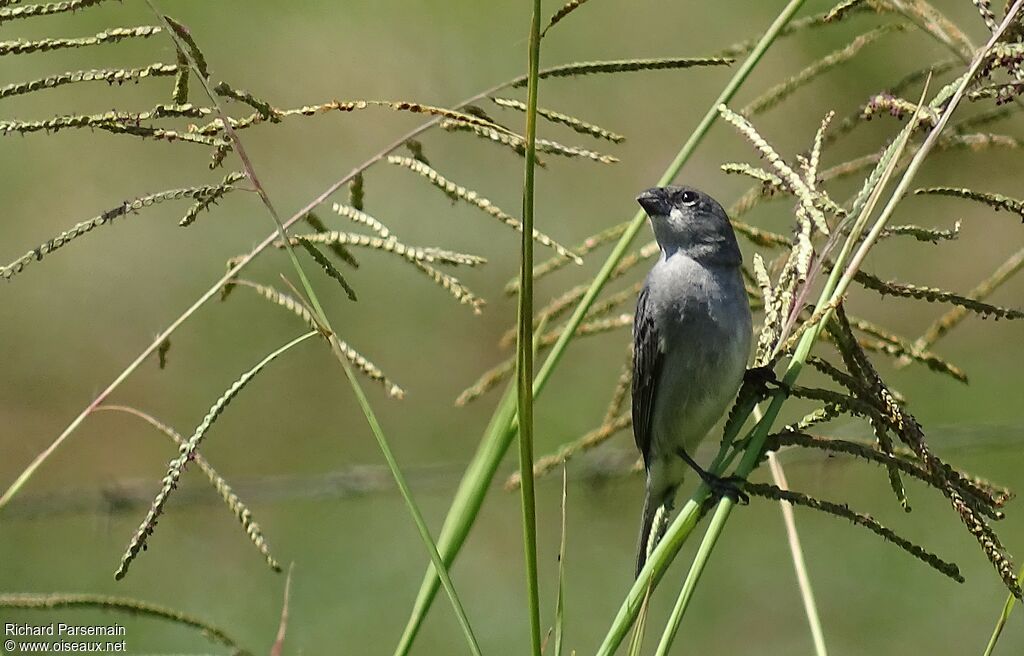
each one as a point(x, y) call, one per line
point(763, 379)
point(728, 486)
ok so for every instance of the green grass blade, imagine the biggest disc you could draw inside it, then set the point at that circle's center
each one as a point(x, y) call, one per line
point(560, 599)
point(997, 631)
point(690, 584)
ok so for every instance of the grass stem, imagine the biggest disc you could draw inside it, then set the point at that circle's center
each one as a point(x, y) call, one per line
point(524, 342)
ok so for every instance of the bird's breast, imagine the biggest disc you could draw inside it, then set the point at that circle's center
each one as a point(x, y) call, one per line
point(705, 334)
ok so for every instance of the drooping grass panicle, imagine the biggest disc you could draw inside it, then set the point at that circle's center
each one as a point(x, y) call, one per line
point(784, 89)
point(769, 491)
point(129, 123)
point(813, 162)
point(453, 286)
point(556, 308)
point(903, 424)
point(300, 309)
point(108, 75)
point(187, 453)
point(953, 317)
point(486, 382)
point(979, 141)
point(933, 22)
point(989, 495)
point(995, 201)
point(892, 344)
point(492, 377)
point(794, 183)
point(355, 215)
point(179, 94)
point(864, 387)
point(342, 253)
point(237, 507)
point(112, 35)
point(836, 14)
point(624, 66)
point(576, 124)
point(457, 117)
point(518, 144)
point(356, 192)
point(614, 422)
point(194, 52)
point(25, 600)
point(934, 295)
point(207, 199)
point(589, 328)
point(987, 15)
point(772, 327)
point(770, 182)
point(923, 234)
point(47, 9)
point(1003, 93)
point(198, 193)
point(557, 262)
point(390, 245)
point(329, 268)
point(262, 107)
point(846, 8)
point(564, 10)
point(475, 199)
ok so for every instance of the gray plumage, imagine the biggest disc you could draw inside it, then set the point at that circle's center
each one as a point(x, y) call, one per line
point(691, 339)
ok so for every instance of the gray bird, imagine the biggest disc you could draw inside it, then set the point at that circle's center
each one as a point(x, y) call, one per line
point(691, 341)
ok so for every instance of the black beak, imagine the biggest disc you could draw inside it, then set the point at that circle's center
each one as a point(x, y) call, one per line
point(654, 201)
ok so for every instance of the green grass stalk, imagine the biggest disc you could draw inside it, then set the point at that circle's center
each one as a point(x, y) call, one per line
point(524, 341)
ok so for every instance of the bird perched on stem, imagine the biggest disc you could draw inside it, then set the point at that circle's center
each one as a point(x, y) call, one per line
point(691, 341)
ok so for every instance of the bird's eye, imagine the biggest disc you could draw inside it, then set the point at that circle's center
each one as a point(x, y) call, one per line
point(688, 198)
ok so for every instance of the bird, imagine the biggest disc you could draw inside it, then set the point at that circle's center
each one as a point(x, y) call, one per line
point(691, 342)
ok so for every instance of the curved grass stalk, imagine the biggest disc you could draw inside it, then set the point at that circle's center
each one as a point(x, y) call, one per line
point(799, 564)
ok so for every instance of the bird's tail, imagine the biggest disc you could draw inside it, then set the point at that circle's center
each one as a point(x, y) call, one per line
point(657, 506)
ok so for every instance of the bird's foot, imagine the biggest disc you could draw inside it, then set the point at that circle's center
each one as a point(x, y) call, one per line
point(764, 381)
point(721, 486)
point(727, 486)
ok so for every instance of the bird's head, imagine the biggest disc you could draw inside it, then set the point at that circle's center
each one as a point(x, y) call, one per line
point(689, 221)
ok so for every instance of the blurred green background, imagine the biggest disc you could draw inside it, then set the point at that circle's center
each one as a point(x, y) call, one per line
point(69, 324)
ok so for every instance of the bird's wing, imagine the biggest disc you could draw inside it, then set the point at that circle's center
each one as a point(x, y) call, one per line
point(647, 362)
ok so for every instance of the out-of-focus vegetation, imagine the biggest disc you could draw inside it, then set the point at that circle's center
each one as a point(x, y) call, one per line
point(295, 445)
